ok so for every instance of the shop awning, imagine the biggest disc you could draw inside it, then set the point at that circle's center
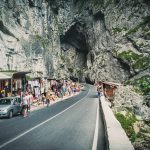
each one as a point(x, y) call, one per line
point(6, 75)
point(9, 75)
point(20, 74)
point(34, 75)
point(51, 78)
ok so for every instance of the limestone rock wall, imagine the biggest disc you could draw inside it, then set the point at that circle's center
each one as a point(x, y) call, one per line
point(116, 35)
point(127, 99)
point(112, 37)
point(26, 42)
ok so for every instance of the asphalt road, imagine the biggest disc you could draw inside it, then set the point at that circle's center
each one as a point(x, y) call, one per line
point(66, 125)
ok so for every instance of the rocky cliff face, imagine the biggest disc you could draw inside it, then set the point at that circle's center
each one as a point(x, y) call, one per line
point(102, 40)
point(26, 43)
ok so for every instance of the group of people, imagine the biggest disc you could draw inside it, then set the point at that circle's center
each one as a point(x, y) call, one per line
point(27, 100)
point(59, 90)
point(56, 91)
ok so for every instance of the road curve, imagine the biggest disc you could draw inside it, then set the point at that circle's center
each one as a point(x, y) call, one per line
point(67, 125)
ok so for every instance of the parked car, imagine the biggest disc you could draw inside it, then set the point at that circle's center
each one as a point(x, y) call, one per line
point(10, 106)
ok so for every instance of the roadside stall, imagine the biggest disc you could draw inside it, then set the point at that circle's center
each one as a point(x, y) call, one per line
point(44, 85)
point(109, 89)
point(5, 84)
point(51, 82)
point(34, 86)
point(19, 81)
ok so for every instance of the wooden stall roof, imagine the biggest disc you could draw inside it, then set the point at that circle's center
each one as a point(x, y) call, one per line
point(112, 83)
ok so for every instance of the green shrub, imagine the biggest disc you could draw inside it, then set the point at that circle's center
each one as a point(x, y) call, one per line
point(127, 122)
point(143, 84)
point(133, 30)
point(117, 29)
point(143, 130)
point(141, 62)
point(128, 55)
point(137, 61)
point(143, 24)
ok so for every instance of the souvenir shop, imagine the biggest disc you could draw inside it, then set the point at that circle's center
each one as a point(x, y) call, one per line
point(34, 86)
point(19, 82)
point(5, 84)
point(5, 87)
point(110, 89)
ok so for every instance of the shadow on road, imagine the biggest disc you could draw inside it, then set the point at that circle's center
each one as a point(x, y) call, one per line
point(93, 96)
point(14, 116)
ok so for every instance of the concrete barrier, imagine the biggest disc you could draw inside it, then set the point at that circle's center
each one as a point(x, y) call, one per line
point(117, 138)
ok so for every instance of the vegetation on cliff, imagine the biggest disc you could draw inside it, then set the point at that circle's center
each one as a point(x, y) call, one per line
point(143, 84)
point(43, 41)
point(144, 25)
point(137, 131)
point(127, 122)
point(137, 61)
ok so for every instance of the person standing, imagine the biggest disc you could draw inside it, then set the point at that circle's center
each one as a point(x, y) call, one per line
point(43, 98)
point(48, 98)
point(69, 90)
point(25, 105)
point(99, 90)
point(30, 101)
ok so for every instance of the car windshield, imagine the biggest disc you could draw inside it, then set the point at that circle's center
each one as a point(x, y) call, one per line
point(5, 101)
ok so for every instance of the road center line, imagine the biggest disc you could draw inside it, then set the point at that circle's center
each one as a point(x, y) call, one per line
point(24, 133)
point(95, 140)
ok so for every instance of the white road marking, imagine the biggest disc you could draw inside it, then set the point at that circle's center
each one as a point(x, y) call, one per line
point(95, 140)
point(24, 133)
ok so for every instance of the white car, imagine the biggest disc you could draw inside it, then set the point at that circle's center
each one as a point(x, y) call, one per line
point(10, 106)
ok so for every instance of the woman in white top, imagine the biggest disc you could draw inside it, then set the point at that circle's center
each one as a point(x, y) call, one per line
point(25, 105)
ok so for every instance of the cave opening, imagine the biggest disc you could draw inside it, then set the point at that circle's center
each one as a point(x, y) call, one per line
point(87, 80)
point(76, 37)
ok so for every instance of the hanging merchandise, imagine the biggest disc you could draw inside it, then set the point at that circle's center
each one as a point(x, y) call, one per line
point(42, 85)
point(6, 83)
point(3, 93)
point(37, 92)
